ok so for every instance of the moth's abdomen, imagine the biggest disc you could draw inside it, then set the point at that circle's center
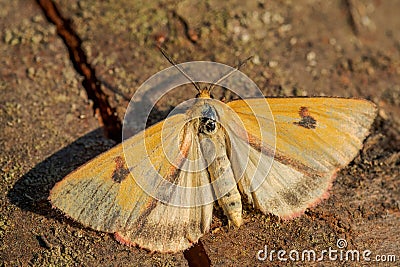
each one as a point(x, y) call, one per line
point(231, 203)
point(221, 175)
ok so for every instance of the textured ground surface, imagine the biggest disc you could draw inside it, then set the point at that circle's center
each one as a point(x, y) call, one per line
point(306, 47)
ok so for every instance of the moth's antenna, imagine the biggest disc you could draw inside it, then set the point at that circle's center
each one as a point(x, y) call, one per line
point(180, 70)
point(229, 73)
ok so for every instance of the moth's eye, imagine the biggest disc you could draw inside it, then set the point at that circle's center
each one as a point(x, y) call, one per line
point(208, 126)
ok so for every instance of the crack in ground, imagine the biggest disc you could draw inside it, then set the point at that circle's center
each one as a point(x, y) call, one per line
point(106, 114)
point(196, 255)
point(190, 34)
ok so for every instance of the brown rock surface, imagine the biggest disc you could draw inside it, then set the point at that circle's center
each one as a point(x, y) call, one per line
point(334, 48)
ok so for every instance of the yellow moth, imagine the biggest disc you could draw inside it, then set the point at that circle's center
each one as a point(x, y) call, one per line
point(226, 149)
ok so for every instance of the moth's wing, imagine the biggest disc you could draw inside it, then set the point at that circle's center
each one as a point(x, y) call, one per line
point(103, 194)
point(314, 138)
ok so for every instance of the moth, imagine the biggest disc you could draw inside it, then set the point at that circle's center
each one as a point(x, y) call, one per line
point(282, 164)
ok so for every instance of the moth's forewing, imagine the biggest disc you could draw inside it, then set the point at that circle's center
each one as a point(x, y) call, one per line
point(314, 138)
point(103, 194)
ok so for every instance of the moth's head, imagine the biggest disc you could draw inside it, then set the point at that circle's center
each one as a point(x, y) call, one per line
point(204, 93)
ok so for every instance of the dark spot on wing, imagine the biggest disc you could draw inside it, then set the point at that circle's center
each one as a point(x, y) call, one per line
point(121, 171)
point(290, 198)
point(232, 204)
point(307, 121)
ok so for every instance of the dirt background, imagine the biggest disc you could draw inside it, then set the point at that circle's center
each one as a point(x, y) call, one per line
point(305, 47)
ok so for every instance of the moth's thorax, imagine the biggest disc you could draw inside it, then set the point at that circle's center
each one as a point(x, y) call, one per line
point(205, 116)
